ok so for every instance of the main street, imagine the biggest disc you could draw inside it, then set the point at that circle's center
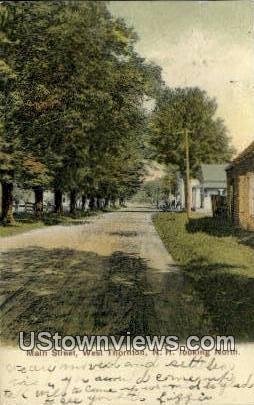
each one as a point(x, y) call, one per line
point(108, 275)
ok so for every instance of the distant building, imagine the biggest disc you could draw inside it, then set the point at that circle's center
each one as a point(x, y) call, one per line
point(195, 189)
point(211, 180)
point(240, 183)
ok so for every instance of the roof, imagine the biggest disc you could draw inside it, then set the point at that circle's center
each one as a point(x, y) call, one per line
point(214, 175)
point(245, 154)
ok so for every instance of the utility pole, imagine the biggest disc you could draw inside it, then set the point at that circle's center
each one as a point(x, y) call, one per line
point(188, 185)
point(186, 132)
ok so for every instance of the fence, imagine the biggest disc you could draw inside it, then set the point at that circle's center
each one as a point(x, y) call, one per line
point(28, 208)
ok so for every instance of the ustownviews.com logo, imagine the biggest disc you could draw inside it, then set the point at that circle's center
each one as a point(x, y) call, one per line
point(46, 341)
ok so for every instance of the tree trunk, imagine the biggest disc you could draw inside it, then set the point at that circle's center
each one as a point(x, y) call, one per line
point(58, 201)
point(83, 202)
point(106, 203)
point(73, 201)
point(121, 202)
point(92, 203)
point(38, 205)
point(7, 203)
point(100, 203)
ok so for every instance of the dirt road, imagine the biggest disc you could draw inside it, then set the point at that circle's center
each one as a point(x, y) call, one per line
point(130, 231)
point(110, 275)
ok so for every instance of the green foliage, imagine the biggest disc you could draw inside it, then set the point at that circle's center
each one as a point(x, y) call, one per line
point(159, 189)
point(75, 96)
point(189, 108)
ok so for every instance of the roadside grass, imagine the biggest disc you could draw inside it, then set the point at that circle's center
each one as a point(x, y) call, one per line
point(210, 241)
point(218, 264)
point(19, 227)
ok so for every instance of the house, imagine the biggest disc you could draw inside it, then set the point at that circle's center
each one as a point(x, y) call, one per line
point(211, 180)
point(240, 185)
point(195, 193)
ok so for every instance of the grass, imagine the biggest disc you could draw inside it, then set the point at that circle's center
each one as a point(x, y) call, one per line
point(19, 227)
point(208, 241)
point(218, 265)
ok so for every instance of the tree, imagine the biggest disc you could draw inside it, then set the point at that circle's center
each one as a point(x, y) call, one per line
point(161, 188)
point(192, 109)
point(76, 104)
point(20, 163)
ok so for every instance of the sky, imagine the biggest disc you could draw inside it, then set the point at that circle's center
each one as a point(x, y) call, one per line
point(205, 44)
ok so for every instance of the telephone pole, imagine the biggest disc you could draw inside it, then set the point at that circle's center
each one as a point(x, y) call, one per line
point(186, 132)
point(188, 185)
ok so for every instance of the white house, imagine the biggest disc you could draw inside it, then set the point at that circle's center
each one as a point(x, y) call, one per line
point(211, 180)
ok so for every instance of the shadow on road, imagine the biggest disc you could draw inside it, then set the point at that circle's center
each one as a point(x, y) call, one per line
point(76, 292)
point(126, 234)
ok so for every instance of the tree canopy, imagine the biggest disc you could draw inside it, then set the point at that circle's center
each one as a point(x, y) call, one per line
point(192, 109)
point(72, 91)
point(73, 95)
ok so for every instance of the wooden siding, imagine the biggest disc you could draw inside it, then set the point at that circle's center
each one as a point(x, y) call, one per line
point(240, 181)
